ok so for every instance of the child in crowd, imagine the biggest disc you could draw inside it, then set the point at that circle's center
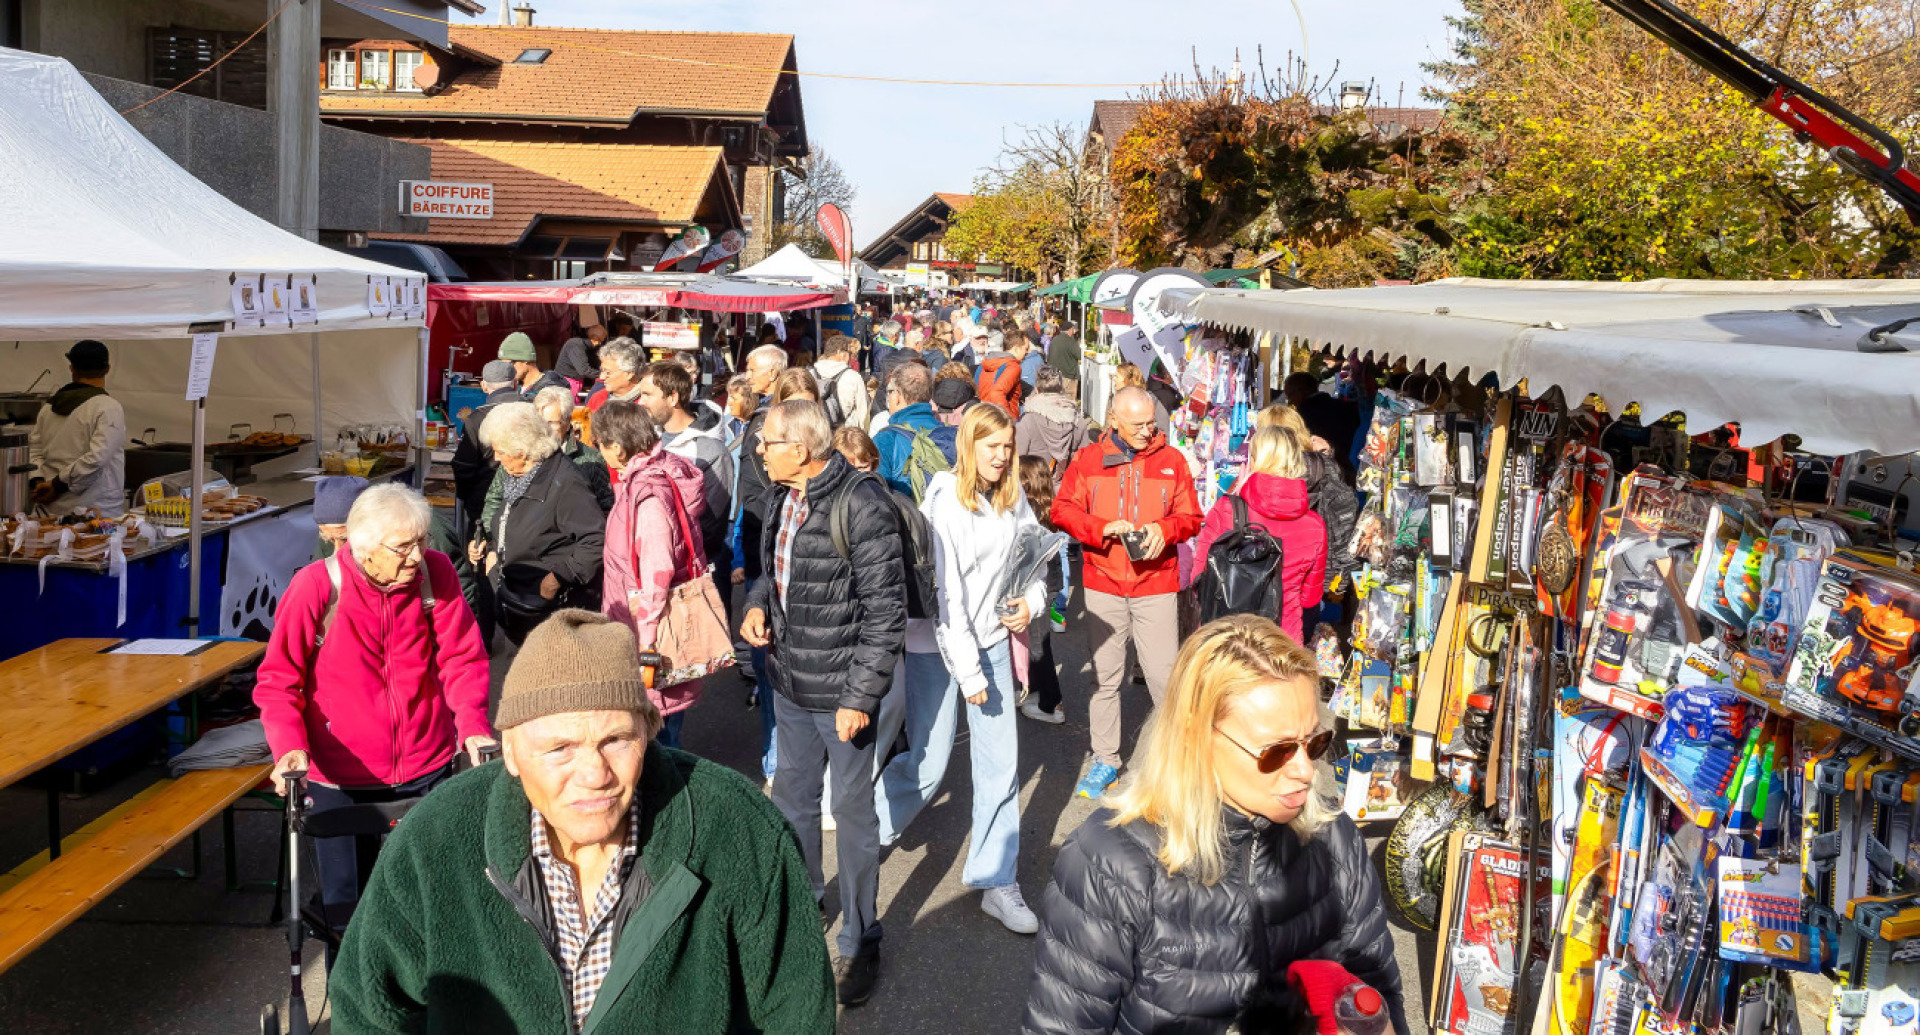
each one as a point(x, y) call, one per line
point(857, 446)
point(1040, 699)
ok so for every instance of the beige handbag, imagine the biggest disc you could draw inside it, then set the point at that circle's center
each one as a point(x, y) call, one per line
point(692, 635)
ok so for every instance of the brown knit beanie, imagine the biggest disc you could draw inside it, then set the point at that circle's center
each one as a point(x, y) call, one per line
point(575, 661)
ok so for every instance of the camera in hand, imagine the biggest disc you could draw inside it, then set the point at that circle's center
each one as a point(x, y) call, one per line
point(1136, 543)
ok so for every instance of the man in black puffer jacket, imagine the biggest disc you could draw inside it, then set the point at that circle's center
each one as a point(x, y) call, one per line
point(1112, 904)
point(836, 626)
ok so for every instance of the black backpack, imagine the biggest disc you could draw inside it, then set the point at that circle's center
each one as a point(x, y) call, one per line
point(916, 545)
point(830, 398)
point(1242, 572)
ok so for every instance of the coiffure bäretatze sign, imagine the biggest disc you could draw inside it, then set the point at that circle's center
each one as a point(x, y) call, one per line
point(434, 199)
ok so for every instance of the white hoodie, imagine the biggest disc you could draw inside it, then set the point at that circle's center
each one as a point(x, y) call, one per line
point(971, 553)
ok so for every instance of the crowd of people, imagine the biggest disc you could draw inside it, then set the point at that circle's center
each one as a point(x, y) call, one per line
point(843, 518)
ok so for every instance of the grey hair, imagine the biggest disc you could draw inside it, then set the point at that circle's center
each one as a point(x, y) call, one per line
point(625, 353)
point(552, 395)
point(383, 511)
point(517, 429)
point(891, 329)
point(1046, 380)
point(805, 421)
point(769, 354)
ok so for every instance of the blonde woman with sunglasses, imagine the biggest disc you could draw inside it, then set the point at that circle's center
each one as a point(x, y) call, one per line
point(1215, 864)
point(975, 511)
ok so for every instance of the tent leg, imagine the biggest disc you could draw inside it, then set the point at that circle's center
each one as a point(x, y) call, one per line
point(319, 431)
point(423, 455)
point(199, 486)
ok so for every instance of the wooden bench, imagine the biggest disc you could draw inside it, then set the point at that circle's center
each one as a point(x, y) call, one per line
point(42, 896)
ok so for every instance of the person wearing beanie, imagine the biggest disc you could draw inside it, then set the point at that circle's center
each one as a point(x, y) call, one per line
point(78, 445)
point(517, 348)
point(951, 397)
point(590, 881)
point(332, 499)
point(473, 463)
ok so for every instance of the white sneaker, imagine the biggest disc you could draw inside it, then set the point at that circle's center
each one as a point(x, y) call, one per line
point(1031, 709)
point(1006, 906)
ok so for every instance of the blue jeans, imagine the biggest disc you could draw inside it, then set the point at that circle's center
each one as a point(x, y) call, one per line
point(912, 779)
point(669, 736)
point(769, 745)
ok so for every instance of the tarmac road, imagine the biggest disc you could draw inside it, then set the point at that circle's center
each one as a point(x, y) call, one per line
point(165, 956)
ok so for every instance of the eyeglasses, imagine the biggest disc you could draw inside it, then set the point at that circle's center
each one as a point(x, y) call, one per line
point(779, 441)
point(1275, 756)
point(407, 550)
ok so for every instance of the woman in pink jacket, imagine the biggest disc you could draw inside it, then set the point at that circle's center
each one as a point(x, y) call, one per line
point(653, 538)
point(374, 673)
point(1276, 493)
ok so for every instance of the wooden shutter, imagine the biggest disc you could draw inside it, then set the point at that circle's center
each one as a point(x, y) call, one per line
point(175, 55)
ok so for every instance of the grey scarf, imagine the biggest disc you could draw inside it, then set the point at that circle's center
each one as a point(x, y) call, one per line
point(517, 487)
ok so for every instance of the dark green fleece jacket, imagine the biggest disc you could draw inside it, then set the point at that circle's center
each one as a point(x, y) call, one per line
point(718, 931)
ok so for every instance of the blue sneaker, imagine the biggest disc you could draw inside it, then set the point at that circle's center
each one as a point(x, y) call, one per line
point(1097, 780)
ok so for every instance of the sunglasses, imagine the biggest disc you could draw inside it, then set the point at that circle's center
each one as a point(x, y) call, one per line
point(1275, 756)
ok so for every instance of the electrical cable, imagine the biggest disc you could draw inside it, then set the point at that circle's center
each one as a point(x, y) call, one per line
point(183, 84)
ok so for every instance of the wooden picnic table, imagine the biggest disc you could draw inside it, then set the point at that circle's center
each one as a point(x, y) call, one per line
point(66, 695)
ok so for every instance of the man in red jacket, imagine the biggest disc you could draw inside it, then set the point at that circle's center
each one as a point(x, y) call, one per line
point(1128, 498)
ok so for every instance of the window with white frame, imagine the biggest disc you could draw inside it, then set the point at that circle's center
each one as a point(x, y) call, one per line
point(375, 71)
point(341, 70)
point(404, 64)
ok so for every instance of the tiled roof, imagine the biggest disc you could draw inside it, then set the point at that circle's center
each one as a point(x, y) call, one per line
point(957, 202)
point(594, 75)
point(639, 183)
point(882, 249)
point(1423, 120)
point(1116, 117)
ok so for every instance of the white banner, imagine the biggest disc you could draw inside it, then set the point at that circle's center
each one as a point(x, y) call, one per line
point(262, 556)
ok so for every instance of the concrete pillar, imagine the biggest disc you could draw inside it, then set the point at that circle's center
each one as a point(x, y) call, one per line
point(293, 96)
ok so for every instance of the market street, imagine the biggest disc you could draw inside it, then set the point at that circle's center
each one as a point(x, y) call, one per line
point(166, 957)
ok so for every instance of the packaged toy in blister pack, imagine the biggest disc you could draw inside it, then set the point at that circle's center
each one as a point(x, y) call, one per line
point(1854, 666)
point(1696, 752)
point(1760, 919)
point(1378, 785)
point(1641, 624)
point(1483, 956)
point(1882, 993)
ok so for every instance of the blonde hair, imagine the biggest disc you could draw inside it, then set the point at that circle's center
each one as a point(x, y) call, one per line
point(1283, 416)
point(795, 383)
point(1276, 451)
point(1126, 375)
point(980, 423)
point(1171, 782)
point(854, 444)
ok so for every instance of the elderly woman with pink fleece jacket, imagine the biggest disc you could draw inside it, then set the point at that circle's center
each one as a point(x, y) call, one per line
point(375, 672)
point(653, 538)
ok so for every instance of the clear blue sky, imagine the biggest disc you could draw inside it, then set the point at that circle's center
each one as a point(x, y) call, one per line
point(899, 143)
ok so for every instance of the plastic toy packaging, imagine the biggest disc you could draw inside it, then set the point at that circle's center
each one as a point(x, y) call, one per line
point(1854, 665)
point(1638, 633)
point(1760, 916)
point(1695, 754)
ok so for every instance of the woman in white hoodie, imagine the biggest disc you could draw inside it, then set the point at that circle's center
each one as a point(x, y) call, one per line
point(975, 510)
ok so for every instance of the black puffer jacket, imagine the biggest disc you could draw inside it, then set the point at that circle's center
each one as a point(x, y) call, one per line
point(844, 623)
point(1126, 947)
point(1334, 500)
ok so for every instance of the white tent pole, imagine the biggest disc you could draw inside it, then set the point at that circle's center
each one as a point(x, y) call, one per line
point(199, 485)
point(319, 432)
point(423, 456)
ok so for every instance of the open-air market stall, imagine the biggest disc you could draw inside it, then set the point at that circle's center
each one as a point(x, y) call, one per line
point(1636, 668)
point(211, 315)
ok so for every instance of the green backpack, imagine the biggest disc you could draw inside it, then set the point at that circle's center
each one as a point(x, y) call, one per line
point(924, 460)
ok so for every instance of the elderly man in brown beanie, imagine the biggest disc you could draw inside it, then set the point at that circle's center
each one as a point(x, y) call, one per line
point(664, 893)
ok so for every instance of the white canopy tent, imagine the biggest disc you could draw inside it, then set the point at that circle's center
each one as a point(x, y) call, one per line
point(103, 236)
point(1779, 357)
point(791, 265)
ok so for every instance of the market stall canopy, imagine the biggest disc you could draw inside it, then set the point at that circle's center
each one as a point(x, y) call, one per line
point(1779, 357)
point(103, 236)
point(1078, 289)
point(688, 291)
point(1011, 287)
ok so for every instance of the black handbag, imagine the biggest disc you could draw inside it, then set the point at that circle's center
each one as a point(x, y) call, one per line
point(518, 603)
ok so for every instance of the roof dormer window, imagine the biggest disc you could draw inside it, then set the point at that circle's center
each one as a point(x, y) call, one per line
point(533, 56)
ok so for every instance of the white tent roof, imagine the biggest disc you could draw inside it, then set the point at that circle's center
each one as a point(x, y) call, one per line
point(791, 264)
point(1779, 357)
point(103, 236)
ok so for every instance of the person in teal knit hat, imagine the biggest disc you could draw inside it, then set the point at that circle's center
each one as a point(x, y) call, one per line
point(517, 348)
point(590, 881)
